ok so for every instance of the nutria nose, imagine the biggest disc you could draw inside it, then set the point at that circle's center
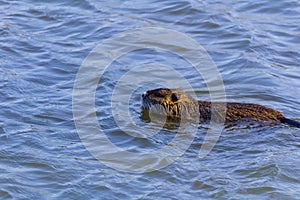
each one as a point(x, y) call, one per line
point(144, 94)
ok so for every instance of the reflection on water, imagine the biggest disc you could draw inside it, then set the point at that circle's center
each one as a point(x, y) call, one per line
point(254, 44)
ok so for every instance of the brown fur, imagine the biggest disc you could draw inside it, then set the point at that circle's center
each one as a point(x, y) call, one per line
point(175, 104)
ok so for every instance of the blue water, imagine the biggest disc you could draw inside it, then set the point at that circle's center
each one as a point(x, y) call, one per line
point(254, 44)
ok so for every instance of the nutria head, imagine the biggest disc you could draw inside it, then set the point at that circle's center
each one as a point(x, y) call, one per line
point(170, 102)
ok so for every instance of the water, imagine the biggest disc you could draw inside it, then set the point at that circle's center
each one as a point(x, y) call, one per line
point(255, 46)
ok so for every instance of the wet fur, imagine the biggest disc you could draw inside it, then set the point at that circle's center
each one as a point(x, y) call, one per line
point(177, 104)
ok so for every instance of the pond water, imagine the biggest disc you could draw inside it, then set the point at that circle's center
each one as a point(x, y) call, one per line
point(44, 45)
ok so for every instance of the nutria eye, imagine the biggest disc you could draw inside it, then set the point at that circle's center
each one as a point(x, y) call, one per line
point(174, 97)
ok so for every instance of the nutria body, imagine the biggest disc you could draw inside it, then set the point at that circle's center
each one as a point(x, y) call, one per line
point(177, 104)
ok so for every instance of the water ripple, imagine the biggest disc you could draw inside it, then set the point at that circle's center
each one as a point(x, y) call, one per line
point(254, 44)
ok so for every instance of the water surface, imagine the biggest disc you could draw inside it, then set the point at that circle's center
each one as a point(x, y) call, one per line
point(255, 45)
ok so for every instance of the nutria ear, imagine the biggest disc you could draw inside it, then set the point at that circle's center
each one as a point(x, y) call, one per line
point(174, 97)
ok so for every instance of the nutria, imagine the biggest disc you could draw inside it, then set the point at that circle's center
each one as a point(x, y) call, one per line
point(174, 103)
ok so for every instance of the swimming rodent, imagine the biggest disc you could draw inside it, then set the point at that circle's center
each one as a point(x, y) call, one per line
point(174, 103)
